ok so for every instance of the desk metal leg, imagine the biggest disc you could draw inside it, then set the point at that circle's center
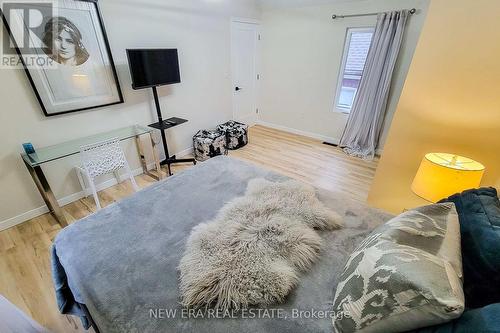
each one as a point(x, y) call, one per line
point(155, 156)
point(143, 159)
point(47, 194)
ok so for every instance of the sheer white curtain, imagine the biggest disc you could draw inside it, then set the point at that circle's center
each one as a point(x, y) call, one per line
point(363, 128)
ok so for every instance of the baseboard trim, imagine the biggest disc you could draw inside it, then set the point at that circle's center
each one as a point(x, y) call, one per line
point(184, 152)
point(326, 139)
point(13, 221)
point(311, 135)
point(16, 220)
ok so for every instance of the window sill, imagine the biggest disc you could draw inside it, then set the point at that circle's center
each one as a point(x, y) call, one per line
point(343, 111)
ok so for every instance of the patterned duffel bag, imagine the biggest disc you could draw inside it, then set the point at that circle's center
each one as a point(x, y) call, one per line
point(236, 134)
point(208, 144)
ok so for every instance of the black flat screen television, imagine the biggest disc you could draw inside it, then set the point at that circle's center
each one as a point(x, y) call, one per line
point(153, 67)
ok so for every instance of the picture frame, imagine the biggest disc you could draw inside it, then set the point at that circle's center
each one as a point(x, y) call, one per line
point(71, 68)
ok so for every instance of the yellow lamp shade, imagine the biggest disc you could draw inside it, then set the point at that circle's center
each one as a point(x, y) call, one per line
point(441, 175)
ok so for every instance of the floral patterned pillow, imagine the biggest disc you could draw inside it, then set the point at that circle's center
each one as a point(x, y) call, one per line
point(405, 275)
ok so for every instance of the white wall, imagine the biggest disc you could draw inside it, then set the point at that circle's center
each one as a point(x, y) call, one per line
point(302, 52)
point(200, 29)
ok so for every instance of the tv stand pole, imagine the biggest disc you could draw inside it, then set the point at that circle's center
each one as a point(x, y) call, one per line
point(163, 125)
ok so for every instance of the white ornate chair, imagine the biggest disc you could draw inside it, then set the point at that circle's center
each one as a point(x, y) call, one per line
point(99, 159)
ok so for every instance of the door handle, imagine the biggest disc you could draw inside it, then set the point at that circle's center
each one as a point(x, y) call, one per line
point(238, 89)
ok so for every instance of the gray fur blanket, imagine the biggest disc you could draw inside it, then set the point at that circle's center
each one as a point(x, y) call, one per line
point(254, 250)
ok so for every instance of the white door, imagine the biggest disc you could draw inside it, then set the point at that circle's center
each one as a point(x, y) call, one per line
point(244, 41)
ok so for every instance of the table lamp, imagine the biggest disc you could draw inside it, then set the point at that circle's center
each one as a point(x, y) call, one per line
point(441, 175)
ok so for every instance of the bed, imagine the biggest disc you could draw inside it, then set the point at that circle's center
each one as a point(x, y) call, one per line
point(117, 269)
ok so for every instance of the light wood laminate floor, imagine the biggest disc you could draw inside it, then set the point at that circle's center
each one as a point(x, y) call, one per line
point(25, 277)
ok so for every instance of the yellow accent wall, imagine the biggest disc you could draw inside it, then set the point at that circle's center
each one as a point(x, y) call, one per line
point(450, 101)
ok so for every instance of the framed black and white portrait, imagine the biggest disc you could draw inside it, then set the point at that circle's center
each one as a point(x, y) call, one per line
point(65, 52)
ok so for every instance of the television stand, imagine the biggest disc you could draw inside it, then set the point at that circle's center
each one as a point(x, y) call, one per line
point(163, 125)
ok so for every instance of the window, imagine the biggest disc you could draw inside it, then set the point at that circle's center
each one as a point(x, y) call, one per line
point(356, 49)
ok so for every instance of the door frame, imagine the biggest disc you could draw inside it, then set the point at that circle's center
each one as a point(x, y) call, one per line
point(257, 59)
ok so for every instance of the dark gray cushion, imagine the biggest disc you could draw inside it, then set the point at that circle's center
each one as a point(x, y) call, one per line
point(482, 320)
point(479, 215)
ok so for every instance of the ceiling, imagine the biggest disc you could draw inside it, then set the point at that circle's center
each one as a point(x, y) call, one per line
point(269, 4)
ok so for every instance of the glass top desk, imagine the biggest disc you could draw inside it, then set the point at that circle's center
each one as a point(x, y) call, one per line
point(43, 155)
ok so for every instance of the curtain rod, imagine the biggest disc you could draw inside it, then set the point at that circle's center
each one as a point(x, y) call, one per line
point(334, 16)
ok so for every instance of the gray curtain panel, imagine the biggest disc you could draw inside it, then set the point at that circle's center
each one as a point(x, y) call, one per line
point(363, 128)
